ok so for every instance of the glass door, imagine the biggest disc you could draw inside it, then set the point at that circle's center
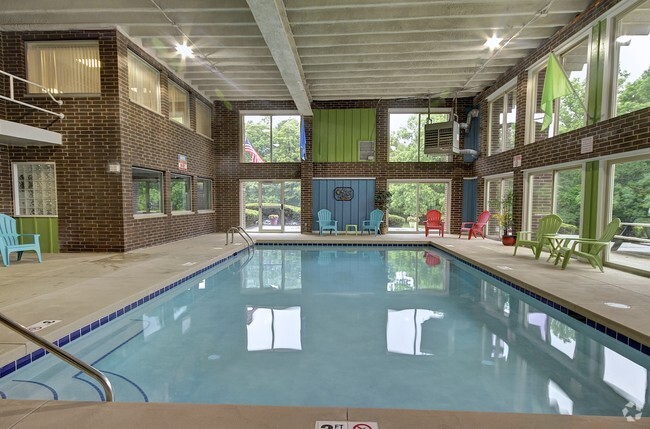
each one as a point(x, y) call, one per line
point(271, 206)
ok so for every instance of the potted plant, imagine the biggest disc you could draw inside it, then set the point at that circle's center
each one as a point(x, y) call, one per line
point(505, 218)
point(382, 201)
point(412, 220)
point(274, 219)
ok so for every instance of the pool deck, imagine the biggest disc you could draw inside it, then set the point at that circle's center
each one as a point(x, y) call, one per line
point(78, 288)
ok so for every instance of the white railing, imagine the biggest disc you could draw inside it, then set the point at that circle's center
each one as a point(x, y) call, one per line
point(22, 103)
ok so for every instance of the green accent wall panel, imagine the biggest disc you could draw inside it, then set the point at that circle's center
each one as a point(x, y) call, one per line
point(596, 72)
point(590, 205)
point(47, 227)
point(336, 133)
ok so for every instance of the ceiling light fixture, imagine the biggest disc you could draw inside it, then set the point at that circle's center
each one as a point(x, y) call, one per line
point(185, 51)
point(493, 42)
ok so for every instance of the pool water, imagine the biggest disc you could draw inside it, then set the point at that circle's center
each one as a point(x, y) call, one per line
point(408, 328)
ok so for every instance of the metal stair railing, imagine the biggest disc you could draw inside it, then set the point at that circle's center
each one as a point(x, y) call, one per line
point(22, 103)
point(61, 354)
point(242, 232)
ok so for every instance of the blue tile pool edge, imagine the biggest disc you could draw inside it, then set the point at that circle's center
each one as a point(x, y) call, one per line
point(76, 334)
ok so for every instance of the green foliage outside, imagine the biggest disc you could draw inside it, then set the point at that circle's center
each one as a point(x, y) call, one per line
point(407, 143)
point(406, 197)
point(285, 134)
point(412, 265)
point(291, 213)
point(153, 203)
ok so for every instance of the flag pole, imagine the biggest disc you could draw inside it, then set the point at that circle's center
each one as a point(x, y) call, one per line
point(575, 92)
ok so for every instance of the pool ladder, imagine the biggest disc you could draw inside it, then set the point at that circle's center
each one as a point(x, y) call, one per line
point(242, 232)
point(61, 354)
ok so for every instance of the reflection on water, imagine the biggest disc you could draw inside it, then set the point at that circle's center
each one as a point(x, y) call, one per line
point(355, 327)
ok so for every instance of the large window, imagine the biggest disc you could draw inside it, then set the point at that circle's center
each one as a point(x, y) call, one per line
point(559, 192)
point(569, 111)
point(271, 138)
point(496, 190)
point(411, 201)
point(503, 116)
point(203, 122)
point(631, 61)
point(203, 194)
point(179, 104)
point(144, 83)
point(147, 191)
point(407, 135)
point(35, 189)
point(70, 67)
point(181, 193)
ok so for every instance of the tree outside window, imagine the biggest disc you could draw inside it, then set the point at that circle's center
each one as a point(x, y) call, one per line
point(407, 137)
point(181, 193)
point(274, 138)
point(147, 191)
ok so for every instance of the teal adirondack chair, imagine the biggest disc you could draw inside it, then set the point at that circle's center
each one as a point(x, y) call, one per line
point(325, 222)
point(548, 225)
point(373, 223)
point(593, 248)
point(10, 242)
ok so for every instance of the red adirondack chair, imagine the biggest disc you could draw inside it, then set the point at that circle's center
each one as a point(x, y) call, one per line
point(475, 228)
point(434, 223)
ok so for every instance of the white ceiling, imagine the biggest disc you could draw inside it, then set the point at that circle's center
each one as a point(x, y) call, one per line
point(318, 49)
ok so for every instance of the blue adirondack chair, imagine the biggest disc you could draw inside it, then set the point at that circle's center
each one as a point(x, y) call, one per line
point(325, 222)
point(373, 223)
point(10, 242)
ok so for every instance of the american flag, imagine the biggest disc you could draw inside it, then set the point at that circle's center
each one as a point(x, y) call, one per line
point(255, 157)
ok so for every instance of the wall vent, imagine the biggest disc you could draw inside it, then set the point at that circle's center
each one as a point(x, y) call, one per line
point(366, 150)
point(441, 138)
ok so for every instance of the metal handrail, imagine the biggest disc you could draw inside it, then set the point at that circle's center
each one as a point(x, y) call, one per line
point(242, 232)
point(61, 354)
point(22, 103)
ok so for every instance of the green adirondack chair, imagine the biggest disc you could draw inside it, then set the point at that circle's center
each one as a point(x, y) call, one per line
point(594, 246)
point(373, 223)
point(10, 240)
point(548, 225)
point(325, 222)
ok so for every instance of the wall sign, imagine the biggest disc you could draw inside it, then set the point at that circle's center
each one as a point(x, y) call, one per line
point(182, 162)
point(343, 194)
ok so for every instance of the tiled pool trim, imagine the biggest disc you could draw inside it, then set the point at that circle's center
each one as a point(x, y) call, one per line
point(13, 366)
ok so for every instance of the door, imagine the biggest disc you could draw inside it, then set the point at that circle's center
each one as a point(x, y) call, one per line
point(271, 206)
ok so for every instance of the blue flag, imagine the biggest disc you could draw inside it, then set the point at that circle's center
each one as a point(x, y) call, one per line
point(303, 140)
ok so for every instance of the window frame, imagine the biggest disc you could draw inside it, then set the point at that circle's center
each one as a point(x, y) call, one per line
point(187, 179)
point(242, 118)
point(161, 181)
point(501, 93)
point(60, 43)
point(420, 139)
point(208, 193)
point(148, 67)
point(185, 120)
point(203, 111)
point(501, 178)
point(15, 166)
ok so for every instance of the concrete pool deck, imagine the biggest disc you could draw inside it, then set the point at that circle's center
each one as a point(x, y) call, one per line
point(78, 288)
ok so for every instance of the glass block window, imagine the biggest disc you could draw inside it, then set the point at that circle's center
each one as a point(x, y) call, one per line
point(181, 193)
point(35, 189)
point(179, 104)
point(69, 67)
point(203, 194)
point(144, 83)
point(147, 191)
point(203, 119)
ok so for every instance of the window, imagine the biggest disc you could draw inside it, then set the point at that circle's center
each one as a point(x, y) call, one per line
point(559, 192)
point(407, 136)
point(181, 193)
point(203, 119)
point(70, 67)
point(147, 191)
point(412, 200)
point(271, 138)
point(144, 83)
point(569, 112)
point(503, 116)
point(203, 194)
point(35, 189)
point(631, 62)
point(179, 104)
point(496, 190)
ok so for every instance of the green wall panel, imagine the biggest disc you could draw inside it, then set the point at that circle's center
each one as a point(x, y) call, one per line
point(596, 72)
point(47, 227)
point(590, 205)
point(336, 133)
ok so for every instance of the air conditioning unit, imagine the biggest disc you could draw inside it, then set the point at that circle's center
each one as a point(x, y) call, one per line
point(366, 150)
point(441, 138)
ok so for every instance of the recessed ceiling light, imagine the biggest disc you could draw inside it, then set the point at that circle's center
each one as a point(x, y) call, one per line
point(185, 51)
point(493, 42)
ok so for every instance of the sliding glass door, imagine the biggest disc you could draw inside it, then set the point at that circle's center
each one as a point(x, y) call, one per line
point(412, 200)
point(271, 206)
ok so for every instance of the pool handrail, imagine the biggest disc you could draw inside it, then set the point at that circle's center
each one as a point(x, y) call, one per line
point(241, 231)
point(61, 354)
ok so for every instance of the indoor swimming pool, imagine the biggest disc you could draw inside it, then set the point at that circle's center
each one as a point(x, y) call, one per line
point(405, 327)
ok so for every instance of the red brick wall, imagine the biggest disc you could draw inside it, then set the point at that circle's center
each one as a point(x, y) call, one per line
point(5, 179)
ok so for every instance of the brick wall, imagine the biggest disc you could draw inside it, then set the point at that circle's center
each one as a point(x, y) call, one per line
point(5, 166)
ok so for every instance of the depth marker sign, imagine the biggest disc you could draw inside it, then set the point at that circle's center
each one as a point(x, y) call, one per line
point(345, 425)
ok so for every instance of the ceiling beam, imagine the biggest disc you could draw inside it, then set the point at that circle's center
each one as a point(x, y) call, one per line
point(271, 18)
